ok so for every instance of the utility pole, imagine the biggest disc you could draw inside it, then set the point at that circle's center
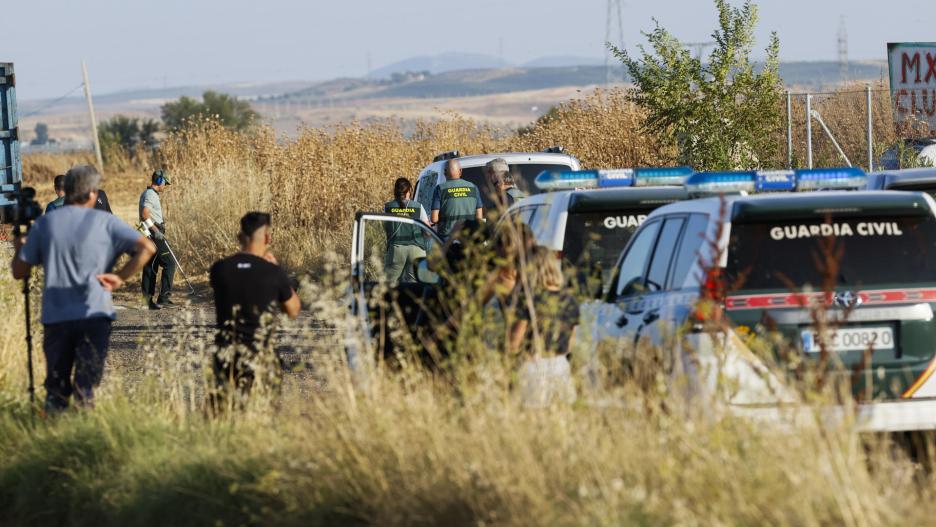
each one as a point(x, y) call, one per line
point(97, 141)
point(614, 7)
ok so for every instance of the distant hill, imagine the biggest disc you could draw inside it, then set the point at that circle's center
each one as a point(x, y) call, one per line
point(823, 75)
point(486, 82)
point(439, 82)
point(560, 61)
point(440, 64)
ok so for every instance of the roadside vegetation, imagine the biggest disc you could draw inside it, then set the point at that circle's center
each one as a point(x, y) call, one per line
point(455, 447)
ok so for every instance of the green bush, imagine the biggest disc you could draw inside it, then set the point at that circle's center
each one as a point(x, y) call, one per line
point(723, 113)
point(229, 111)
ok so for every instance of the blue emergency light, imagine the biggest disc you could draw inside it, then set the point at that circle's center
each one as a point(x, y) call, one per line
point(654, 177)
point(721, 182)
point(618, 177)
point(573, 179)
point(831, 178)
point(741, 181)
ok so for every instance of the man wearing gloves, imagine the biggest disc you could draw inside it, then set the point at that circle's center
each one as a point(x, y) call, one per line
point(151, 217)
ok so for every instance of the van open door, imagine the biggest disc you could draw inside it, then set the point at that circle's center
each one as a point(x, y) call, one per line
point(388, 304)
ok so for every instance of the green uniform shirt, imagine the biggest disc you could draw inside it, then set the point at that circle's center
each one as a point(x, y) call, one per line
point(456, 200)
point(400, 234)
point(57, 203)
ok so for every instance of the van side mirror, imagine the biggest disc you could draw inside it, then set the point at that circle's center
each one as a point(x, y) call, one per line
point(424, 275)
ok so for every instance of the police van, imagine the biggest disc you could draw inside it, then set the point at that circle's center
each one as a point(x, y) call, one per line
point(922, 179)
point(591, 224)
point(524, 166)
point(879, 301)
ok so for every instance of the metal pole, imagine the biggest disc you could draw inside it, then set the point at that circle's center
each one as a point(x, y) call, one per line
point(809, 162)
point(789, 129)
point(828, 132)
point(97, 142)
point(870, 132)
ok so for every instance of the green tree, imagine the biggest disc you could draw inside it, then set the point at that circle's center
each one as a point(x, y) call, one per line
point(123, 135)
point(229, 111)
point(42, 134)
point(722, 113)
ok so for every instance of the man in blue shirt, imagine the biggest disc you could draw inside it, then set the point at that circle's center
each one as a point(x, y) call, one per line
point(77, 246)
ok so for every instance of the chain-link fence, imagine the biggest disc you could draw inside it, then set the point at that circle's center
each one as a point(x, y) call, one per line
point(850, 126)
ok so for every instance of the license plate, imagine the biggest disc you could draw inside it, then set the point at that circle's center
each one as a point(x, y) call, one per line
point(850, 339)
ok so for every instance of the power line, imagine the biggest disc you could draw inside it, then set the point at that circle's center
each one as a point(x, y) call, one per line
point(54, 102)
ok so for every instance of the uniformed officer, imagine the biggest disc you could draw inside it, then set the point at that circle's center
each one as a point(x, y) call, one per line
point(501, 188)
point(405, 243)
point(151, 216)
point(59, 201)
point(455, 200)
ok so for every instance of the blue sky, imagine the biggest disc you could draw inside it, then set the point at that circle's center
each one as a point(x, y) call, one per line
point(149, 43)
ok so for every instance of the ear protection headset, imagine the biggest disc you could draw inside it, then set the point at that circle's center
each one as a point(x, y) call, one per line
point(159, 179)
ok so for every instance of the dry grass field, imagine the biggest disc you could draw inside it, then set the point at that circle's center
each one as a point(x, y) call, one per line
point(414, 448)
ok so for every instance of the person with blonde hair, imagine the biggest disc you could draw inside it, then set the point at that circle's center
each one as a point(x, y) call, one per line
point(541, 336)
point(547, 313)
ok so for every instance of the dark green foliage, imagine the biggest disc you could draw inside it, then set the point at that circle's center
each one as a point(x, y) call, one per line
point(42, 134)
point(722, 113)
point(125, 135)
point(230, 112)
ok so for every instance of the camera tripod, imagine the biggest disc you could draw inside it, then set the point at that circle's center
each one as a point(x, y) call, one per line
point(17, 232)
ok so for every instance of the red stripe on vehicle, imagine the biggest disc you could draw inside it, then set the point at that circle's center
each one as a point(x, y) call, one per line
point(799, 300)
point(921, 380)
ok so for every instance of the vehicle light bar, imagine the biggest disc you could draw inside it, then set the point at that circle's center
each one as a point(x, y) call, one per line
point(831, 178)
point(653, 177)
point(741, 181)
point(547, 180)
point(445, 156)
point(776, 180)
point(617, 177)
point(721, 182)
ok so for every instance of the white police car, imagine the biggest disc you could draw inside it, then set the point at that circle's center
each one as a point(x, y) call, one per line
point(524, 166)
point(589, 226)
point(921, 179)
point(883, 334)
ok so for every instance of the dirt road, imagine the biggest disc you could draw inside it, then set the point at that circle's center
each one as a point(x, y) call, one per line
point(175, 341)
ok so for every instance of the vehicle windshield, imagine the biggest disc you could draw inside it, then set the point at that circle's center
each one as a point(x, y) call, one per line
point(523, 176)
point(597, 238)
point(785, 255)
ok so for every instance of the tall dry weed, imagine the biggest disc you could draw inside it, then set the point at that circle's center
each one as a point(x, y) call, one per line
point(315, 183)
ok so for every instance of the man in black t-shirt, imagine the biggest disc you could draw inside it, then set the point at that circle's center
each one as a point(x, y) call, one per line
point(102, 203)
point(249, 289)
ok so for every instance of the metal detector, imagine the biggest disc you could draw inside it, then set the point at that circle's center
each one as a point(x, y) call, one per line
point(179, 267)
